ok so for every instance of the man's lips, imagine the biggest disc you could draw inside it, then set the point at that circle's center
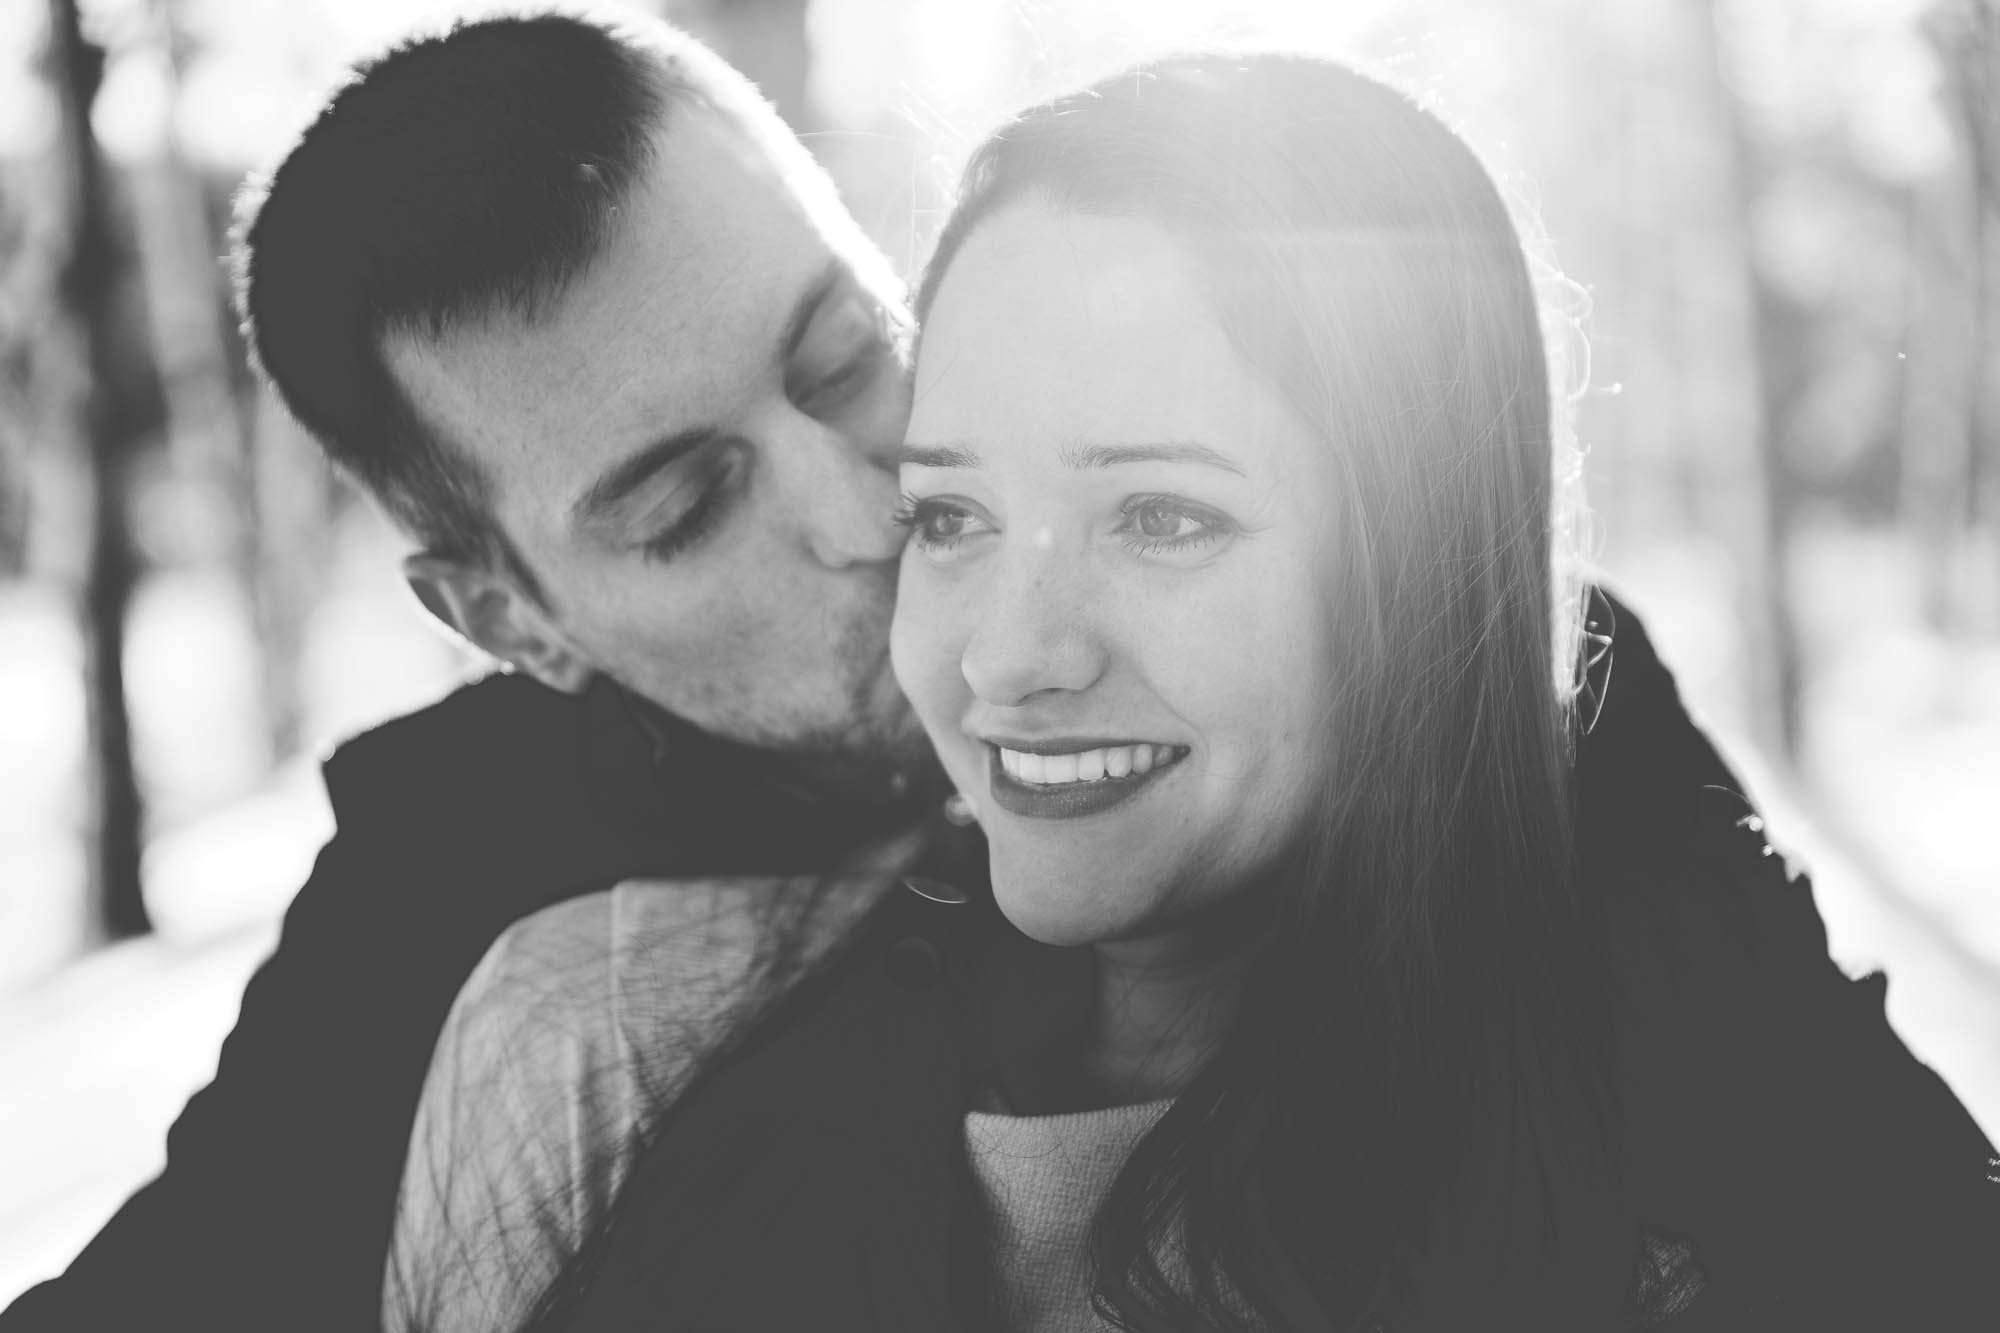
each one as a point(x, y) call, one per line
point(1072, 777)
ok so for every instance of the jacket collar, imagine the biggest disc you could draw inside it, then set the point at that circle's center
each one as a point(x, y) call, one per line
point(636, 734)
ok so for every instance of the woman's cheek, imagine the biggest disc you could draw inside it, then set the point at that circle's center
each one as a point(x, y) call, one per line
point(906, 630)
point(921, 636)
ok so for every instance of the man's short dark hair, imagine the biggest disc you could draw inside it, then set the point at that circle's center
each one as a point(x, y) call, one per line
point(458, 176)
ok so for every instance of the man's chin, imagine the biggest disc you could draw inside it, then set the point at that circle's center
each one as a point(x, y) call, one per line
point(892, 755)
point(885, 732)
point(884, 725)
point(904, 739)
point(882, 732)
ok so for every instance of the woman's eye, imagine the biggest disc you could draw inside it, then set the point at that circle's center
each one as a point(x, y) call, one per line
point(935, 525)
point(1170, 523)
point(1159, 522)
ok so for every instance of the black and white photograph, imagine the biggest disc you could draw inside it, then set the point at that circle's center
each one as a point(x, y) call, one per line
point(1000, 666)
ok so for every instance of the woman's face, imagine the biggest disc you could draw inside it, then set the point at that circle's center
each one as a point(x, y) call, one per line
point(1114, 617)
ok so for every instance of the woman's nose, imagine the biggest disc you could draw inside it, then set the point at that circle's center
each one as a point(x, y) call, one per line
point(1038, 630)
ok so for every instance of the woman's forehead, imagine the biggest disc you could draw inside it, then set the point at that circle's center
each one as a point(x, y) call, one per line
point(1058, 333)
point(1070, 276)
point(1055, 313)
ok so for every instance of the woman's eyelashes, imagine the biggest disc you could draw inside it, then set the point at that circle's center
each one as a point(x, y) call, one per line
point(1161, 523)
point(934, 523)
point(1155, 524)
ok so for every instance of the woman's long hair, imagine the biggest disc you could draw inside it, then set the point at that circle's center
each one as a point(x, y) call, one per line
point(1406, 1121)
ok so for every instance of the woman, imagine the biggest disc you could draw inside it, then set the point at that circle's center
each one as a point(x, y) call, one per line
point(1275, 520)
point(1317, 987)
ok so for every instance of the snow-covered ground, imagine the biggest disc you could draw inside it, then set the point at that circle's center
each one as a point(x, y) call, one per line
point(1894, 817)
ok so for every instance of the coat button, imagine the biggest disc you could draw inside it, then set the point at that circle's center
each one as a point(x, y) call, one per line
point(913, 961)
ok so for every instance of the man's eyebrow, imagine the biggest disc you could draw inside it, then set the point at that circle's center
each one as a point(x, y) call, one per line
point(1110, 455)
point(807, 306)
point(631, 473)
point(946, 455)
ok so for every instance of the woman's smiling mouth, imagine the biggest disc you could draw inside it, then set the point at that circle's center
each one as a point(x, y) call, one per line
point(1070, 779)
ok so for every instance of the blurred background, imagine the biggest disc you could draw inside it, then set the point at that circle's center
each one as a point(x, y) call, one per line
point(1780, 225)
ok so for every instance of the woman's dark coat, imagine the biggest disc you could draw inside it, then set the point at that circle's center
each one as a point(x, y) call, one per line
point(1825, 1178)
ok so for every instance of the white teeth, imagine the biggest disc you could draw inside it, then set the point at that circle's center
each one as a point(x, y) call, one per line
point(1115, 761)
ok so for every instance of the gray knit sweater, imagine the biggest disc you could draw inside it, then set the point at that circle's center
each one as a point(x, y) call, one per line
point(584, 1020)
point(583, 1017)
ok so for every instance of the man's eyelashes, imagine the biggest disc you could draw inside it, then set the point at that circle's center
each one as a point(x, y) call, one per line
point(844, 381)
point(715, 487)
point(883, 345)
point(710, 495)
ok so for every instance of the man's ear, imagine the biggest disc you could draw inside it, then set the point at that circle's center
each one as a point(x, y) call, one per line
point(495, 615)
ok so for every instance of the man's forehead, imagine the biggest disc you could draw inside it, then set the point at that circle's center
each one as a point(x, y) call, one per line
point(675, 321)
point(713, 200)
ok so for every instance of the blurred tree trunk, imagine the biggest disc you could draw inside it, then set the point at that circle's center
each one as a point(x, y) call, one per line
point(16, 418)
point(208, 421)
point(88, 287)
point(1939, 374)
point(1975, 81)
point(1776, 665)
point(1952, 489)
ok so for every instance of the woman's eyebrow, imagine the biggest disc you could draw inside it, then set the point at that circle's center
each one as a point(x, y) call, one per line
point(920, 455)
point(1110, 455)
point(1078, 456)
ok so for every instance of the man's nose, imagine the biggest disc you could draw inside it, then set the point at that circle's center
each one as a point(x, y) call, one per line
point(845, 496)
point(1039, 629)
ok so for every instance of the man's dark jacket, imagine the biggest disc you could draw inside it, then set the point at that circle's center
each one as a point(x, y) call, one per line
point(275, 1207)
point(277, 1201)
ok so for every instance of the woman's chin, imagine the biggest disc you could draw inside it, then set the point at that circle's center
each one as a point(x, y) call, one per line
point(1053, 918)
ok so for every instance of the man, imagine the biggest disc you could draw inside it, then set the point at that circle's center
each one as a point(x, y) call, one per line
point(592, 327)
